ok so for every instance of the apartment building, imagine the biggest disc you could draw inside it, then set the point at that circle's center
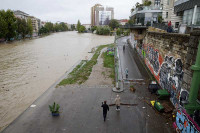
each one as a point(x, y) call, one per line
point(21, 15)
point(101, 15)
point(35, 25)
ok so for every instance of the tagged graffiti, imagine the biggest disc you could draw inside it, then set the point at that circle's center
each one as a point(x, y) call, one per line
point(171, 76)
point(185, 123)
point(153, 58)
point(168, 72)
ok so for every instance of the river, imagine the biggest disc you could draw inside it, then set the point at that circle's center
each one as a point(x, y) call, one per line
point(28, 68)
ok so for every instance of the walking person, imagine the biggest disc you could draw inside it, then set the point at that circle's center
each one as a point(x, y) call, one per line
point(124, 47)
point(126, 72)
point(117, 103)
point(105, 109)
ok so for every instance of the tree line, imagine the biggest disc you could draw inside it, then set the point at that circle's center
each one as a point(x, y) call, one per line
point(11, 27)
point(16, 28)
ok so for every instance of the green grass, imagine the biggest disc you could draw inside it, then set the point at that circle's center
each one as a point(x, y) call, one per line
point(82, 71)
point(108, 61)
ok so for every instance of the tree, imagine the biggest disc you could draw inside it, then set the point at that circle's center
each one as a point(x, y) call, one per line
point(78, 25)
point(21, 27)
point(93, 28)
point(3, 24)
point(81, 29)
point(63, 27)
point(118, 32)
point(130, 22)
point(29, 27)
point(147, 3)
point(43, 30)
point(73, 27)
point(114, 24)
point(160, 19)
point(10, 30)
point(103, 30)
point(49, 26)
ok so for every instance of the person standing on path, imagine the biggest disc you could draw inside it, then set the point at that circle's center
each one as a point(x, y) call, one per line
point(105, 109)
point(126, 73)
point(117, 103)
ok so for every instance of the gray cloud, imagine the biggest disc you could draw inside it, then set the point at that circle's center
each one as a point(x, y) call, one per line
point(67, 10)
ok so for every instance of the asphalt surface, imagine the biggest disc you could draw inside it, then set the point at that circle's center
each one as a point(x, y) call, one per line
point(81, 110)
point(127, 60)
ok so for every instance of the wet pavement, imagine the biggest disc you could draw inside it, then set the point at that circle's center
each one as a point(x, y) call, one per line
point(81, 110)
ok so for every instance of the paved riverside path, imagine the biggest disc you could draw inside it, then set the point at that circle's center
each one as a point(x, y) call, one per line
point(127, 60)
point(81, 112)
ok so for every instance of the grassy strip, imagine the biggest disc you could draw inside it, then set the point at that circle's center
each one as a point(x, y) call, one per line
point(108, 61)
point(81, 72)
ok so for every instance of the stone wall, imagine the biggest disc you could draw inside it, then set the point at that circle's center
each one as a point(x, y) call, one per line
point(169, 58)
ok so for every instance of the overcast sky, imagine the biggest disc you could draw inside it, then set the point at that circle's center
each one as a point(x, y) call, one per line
point(67, 10)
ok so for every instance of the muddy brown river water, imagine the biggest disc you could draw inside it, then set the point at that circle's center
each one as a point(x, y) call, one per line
point(28, 68)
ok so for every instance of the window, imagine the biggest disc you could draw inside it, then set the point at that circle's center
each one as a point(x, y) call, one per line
point(176, 24)
point(167, 2)
point(166, 14)
point(157, 2)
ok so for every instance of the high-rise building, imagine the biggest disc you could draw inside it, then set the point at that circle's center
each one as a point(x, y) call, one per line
point(101, 15)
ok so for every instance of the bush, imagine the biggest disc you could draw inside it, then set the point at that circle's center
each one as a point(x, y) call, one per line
point(103, 30)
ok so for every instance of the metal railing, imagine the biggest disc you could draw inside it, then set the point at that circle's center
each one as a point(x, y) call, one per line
point(132, 26)
point(160, 26)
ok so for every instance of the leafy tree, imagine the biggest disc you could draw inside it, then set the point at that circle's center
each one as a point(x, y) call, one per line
point(81, 29)
point(21, 27)
point(43, 30)
point(103, 30)
point(73, 27)
point(114, 24)
point(3, 24)
point(160, 19)
point(29, 27)
point(63, 27)
point(118, 32)
point(49, 26)
point(147, 3)
point(130, 22)
point(10, 29)
point(94, 28)
point(78, 25)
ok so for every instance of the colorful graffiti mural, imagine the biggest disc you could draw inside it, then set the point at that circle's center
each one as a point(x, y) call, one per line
point(171, 76)
point(167, 70)
point(184, 123)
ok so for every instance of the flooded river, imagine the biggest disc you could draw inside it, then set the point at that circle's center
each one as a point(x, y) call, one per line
point(28, 68)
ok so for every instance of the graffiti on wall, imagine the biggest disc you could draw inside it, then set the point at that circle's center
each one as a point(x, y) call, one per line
point(185, 123)
point(153, 56)
point(171, 76)
point(167, 70)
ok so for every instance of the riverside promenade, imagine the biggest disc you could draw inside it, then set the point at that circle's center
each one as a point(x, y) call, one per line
point(81, 110)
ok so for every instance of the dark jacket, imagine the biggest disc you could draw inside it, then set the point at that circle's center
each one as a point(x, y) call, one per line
point(105, 108)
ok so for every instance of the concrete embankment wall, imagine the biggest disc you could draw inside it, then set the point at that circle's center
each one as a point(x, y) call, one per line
point(169, 58)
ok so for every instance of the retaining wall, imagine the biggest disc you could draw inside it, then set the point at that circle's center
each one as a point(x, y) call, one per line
point(169, 58)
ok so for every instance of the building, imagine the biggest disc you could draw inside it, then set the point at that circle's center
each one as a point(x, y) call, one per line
point(101, 15)
point(188, 11)
point(21, 15)
point(122, 21)
point(35, 25)
point(169, 15)
point(146, 14)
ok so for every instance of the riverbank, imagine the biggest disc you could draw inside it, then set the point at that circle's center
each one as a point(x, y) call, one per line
point(30, 67)
point(82, 71)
